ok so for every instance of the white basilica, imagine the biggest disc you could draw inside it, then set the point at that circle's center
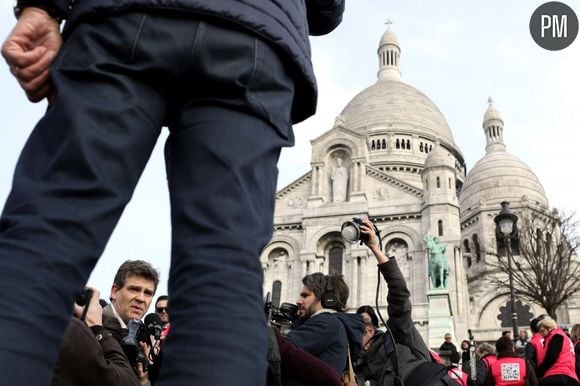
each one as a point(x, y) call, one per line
point(391, 156)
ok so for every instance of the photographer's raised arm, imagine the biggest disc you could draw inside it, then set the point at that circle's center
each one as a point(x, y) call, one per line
point(398, 297)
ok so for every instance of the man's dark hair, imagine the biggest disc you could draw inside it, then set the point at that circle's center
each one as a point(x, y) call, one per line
point(316, 282)
point(371, 312)
point(161, 298)
point(504, 344)
point(139, 268)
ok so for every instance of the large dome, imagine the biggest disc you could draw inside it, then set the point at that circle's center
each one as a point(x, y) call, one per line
point(393, 103)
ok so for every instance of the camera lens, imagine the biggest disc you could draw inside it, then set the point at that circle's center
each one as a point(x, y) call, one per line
point(350, 232)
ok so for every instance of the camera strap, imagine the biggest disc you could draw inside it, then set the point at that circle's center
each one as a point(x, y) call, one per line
point(85, 310)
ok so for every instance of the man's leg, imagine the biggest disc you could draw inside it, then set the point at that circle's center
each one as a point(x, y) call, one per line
point(223, 180)
point(74, 177)
point(221, 155)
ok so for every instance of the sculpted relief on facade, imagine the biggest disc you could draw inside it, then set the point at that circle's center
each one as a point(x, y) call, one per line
point(339, 182)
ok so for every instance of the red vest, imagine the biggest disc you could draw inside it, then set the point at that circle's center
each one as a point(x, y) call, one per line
point(509, 371)
point(454, 372)
point(435, 357)
point(566, 362)
point(537, 342)
point(489, 360)
point(458, 375)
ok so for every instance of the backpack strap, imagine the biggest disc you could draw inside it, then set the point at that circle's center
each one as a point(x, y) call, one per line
point(434, 374)
point(274, 359)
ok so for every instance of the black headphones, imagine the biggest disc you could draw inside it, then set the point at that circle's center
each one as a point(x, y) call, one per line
point(329, 299)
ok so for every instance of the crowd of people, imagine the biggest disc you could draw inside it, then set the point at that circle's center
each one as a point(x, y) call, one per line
point(221, 75)
point(551, 356)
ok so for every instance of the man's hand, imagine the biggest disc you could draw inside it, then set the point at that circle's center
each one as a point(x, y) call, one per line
point(94, 316)
point(142, 372)
point(370, 237)
point(30, 49)
point(371, 240)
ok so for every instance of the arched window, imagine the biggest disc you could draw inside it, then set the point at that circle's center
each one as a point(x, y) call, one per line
point(384, 144)
point(466, 246)
point(398, 249)
point(475, 240)
point(373, 145)
point(440, 227)
point(276, 292)
point(335, 260)
point(438, 182)
point(397, 144)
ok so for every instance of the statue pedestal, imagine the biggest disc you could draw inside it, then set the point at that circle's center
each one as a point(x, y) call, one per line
point(440, 317)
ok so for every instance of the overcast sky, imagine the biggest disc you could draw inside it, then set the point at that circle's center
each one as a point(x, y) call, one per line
point(458, 53)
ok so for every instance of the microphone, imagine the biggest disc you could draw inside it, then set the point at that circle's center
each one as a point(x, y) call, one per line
point(154, 325)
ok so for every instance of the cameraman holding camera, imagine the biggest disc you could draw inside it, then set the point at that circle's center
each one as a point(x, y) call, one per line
point(323, 328)
point(90, 354)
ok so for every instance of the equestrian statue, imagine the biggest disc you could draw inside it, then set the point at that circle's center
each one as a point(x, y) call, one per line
point(438, 265)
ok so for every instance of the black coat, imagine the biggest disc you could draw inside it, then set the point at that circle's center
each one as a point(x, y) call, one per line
point(376, 365)
point(448, 346)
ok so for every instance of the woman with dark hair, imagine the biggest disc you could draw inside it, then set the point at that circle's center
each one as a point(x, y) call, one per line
point(510, 368)
point(370, 314)
point(465, 357)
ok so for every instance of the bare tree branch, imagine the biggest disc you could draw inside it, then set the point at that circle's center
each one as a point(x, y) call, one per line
point(545, 264)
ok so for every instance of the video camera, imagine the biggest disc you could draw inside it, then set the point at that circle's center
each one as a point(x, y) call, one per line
point(138, 331)
point(282, 317)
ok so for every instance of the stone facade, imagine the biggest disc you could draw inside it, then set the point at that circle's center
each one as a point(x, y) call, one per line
point(406, 173)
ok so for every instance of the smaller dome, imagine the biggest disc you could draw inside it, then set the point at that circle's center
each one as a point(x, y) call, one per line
point(389, 37)
point(438, 157)
point(500, 176)
point(491, 113)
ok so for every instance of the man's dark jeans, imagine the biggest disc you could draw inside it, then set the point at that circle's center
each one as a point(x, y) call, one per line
point(226, 97)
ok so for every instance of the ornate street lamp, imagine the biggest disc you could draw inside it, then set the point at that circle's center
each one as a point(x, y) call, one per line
point(506, 227)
